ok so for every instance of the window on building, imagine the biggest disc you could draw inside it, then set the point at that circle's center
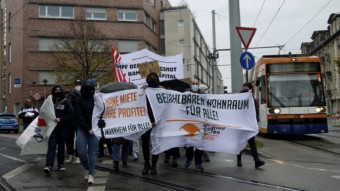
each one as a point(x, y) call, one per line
point(9, 22)
point(96, 14)
point(180, 23)
point(125, 46)
point(181, 42)
point(9, 83)
point(10, 53)
point(161, 27)
point(53, 11)
point(48, 44)
point(48, 76)
point(154, 26)
point(127, 15)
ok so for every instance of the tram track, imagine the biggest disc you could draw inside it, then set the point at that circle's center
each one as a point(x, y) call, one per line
point(175, 186)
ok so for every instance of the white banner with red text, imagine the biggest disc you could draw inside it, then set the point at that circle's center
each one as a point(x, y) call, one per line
point(124, 112)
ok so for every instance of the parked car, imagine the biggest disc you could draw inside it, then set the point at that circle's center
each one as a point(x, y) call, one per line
point(9, 122)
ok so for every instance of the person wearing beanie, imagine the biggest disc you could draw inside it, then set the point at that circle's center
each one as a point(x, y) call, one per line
point(87, 142)
point(64, 113)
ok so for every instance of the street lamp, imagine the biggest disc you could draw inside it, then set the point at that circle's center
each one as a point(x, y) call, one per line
point(45, 82)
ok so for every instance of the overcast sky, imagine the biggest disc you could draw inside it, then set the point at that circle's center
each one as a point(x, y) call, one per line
point(278, 22)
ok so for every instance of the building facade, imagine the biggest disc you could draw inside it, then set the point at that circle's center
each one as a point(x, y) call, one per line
point(180, 33)
point(326, 45)
point(30, 27)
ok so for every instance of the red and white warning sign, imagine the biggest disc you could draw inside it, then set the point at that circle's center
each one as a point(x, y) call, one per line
point(246, 34)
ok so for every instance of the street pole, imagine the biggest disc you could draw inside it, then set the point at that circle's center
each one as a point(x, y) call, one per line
point(214, 53)
point(235, 46)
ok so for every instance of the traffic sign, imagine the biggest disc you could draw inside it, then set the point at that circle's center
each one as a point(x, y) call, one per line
point(246, 34)
point(36, 96)
point(247, 60)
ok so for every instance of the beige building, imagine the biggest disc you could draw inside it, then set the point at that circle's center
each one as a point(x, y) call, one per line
point(30, 27)
point(181, 34)
point(326, 45)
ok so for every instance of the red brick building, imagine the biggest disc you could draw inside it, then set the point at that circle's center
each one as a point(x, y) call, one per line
point(30, 27)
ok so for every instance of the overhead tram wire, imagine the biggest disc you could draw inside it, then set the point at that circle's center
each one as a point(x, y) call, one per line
point(271, 22)
point(322, 8)
point(258, 14)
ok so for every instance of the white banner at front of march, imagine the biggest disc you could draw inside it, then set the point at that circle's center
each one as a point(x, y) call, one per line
point(221, 123)
point(34, 140)
point(137, 65)
point(125, 114)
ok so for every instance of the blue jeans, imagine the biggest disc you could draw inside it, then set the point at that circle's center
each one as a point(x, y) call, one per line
point(87, 146)
point(116, 149)
point(56, 138)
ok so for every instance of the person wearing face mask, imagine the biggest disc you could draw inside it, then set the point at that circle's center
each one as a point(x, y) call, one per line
point(64, 113)
point(72, 154)
point(190, 153)
point(87, 142)
point(248, 87)
point(28, 113)
point(153, 82)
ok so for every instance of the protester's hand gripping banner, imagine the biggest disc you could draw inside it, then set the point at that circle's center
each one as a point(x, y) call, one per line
point(137, 65)
point(221, 123)
point(125, 114)
point(34, 140)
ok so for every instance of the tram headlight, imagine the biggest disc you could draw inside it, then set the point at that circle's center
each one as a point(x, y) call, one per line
point(320, 109)
point(275, 110)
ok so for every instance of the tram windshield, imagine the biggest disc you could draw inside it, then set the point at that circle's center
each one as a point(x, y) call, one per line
point(295, 90)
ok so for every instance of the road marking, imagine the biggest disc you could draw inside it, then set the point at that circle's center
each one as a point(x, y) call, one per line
point(13, 158)
point(302, 167)
point(17, 171)
point(336, 177)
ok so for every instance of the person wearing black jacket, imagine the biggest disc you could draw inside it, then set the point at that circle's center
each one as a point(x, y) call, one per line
point(28, 113)
point(153, 81)
point(72, 154)
point(64, 113)
point(248, 87)
point(87, 142)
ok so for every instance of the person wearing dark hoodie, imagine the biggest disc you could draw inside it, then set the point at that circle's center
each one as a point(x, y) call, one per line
point(64, 113)
point(87, 142)
point(153, 82)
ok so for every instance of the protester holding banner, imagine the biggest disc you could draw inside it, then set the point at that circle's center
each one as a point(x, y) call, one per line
point(153, 82)
point(204, 89)
point(64, 113)
point(190, 150)
point(248, 87)
point(28, 113)
point(87, 142)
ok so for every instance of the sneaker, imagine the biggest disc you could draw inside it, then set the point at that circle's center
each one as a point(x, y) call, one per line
point(199, 167)
point(259, 163)
point(135, 159)
point(47, 170)
point(146, 169)
point(174, 163)
point(76, 160)
point(68, 159)
point(61, 167)
point(239, 163)
point(124, 163)
point(116, 165)
point(90, 180)
point(86, 174)
point(187, 164)
point(154, 171)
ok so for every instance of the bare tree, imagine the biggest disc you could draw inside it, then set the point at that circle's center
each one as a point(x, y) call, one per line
point(84, 53)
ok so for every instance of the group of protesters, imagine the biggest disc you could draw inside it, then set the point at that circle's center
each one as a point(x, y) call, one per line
point(74, 122)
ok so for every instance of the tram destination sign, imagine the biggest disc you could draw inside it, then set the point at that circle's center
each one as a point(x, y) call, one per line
point(294, 67)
